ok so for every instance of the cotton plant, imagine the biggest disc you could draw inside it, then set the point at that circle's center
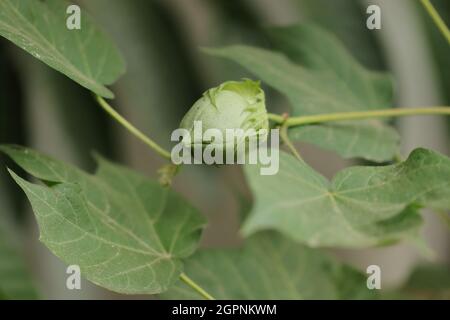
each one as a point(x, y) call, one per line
point(134, 235)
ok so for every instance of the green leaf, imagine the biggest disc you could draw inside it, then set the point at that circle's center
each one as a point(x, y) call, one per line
point(127, 233)
point(15, 281)
point(270, 267)
point(317, 50)
point(374, 141)
point(360, 41)
point(428, 282)
point(86, 56)
point(360, 207)
point(318, 76)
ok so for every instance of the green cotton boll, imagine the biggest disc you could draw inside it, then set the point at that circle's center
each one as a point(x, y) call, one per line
point(232, 105)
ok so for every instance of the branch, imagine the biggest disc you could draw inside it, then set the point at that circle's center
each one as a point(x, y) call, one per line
point(358, 115)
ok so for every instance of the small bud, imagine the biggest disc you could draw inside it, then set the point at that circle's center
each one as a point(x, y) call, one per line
point(166, 174)
point(232, 105)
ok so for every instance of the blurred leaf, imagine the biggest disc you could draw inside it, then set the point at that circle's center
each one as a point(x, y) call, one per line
point(349, 139)
point(351, 30)
point(360, 207)
point(432, 277)
point(270, 267)
point(39, 27)
point(429, 282)
point(317, 50)
point(232, 22)
point(12, 124)
point(15, 282)
point(236, 21)
point(329, 80)
point(127, 233)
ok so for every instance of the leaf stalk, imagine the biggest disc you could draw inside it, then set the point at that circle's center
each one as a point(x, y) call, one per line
point(195, 286)
point(434, 14)
point(285, 138)
point(132, 129)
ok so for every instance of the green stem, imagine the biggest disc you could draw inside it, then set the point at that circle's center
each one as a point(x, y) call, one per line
point(285, 138)
point(437, 19)
point(359, 115)
point(195, 286)
point(276, 118)
point(132, 129)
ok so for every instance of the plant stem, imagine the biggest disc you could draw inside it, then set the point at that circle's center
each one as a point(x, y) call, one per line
point(285, 138)
point(195, 286)
point(132, 129)
point(276, 118)
point(359, 115)
point(437, 19)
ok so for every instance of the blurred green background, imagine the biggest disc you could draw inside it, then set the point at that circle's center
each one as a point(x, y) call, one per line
point(166, 73)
